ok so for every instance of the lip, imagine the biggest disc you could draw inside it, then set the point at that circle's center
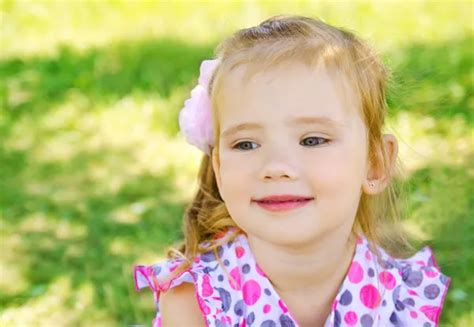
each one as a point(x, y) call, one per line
point(283, 202)
point(283, 198)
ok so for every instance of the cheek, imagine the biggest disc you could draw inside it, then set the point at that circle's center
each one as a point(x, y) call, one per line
point(235, 180)
point(337, 169)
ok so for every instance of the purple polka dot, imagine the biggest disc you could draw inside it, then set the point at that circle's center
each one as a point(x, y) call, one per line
point(268, 323)
point(444, 279)
point(156, 269)
point(250, 318)
point(371, 272)
point(431, 291)
point(239, 308)
point(366, 321)
point(396, 293)
point(399, 305)
point(412, 278)
point(210, 256)
point(337, 319)
point(409, 302)
point(225, 298)
point(394, 318)
point(286, 321)
point(346, 298)
point(267, 292)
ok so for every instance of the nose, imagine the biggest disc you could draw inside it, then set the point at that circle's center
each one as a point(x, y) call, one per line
point(279, 167)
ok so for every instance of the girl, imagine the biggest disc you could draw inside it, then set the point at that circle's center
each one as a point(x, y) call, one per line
point(295, 220)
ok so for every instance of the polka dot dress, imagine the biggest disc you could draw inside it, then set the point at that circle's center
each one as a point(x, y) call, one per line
point(385, 292)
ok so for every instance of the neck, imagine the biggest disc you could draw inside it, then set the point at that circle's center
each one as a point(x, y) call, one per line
point(319, 266)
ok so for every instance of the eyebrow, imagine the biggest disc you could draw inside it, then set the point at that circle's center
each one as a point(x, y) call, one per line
point(294, 122)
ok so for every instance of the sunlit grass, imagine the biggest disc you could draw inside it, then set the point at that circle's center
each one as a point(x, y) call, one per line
point(424, 139)
point(81, 24)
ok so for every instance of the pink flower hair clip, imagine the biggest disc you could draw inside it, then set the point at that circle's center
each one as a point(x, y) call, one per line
point(195, 118)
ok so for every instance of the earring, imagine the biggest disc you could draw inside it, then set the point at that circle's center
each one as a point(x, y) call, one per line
point(371, 184)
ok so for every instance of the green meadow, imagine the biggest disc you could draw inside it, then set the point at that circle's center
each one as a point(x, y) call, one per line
point(95, 176)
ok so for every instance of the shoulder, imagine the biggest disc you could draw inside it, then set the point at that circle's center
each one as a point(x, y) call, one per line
point(177, 300)
point(417, 288)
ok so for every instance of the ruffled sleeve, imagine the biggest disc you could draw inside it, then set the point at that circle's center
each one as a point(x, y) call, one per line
point(161, 277)
point(157, 276)
point(419, 298)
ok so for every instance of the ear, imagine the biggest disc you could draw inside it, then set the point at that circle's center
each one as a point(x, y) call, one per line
point(216, 167)
point(377, 177)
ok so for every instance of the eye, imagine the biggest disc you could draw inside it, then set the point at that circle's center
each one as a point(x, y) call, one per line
point(313, 140)
point(247, 145)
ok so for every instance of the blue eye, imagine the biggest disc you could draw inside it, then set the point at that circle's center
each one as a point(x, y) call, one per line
point(314, 141)
point(237, 146)
point(310, 141)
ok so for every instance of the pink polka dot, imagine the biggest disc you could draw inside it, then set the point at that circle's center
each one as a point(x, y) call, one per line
point(235, 283)
point(283, 306)
point(369, 296)
point(387, 280)
point(239, 251)
point(204, 308)
point(226, 320)
point(267, 308)
point(412, 292)
point(368, 256)
point(356, 273)
point(431, 273)
point(431, 312)
point(350, 318)
point(259, 270)
point(207, 289)
point(251, 292)
point(413, 314)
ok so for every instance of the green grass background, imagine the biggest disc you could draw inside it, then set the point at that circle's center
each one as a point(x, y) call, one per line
point(94, 174)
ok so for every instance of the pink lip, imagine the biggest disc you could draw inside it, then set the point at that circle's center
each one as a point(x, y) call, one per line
point(282, 206)
point(282, 202)
point(283, 198)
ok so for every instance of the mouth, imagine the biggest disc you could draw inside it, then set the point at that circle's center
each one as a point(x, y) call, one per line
point(275, 206)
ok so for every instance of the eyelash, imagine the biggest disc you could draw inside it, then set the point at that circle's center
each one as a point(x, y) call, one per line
point(311, 137)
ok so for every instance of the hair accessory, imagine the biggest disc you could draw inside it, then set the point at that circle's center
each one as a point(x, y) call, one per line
point(195, 118)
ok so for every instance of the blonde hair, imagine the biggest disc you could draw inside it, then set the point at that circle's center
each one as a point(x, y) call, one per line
point(286, 38)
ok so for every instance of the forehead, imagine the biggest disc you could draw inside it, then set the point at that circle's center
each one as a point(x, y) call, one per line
point(289, 89)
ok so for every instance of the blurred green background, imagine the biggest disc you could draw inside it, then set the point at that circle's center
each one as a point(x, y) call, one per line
point(94, 175)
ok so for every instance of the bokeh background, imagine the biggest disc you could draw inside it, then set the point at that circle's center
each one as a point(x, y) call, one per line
point(94, 174)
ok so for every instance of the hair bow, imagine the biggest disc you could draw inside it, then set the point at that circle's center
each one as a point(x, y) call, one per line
point(195, 118)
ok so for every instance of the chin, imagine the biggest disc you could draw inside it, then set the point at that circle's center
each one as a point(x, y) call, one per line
point(284, 233)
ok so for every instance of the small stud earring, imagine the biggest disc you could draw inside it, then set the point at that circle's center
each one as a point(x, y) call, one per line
point(371, 184)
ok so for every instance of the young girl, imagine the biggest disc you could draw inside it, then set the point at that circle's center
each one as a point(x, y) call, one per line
point(295, 220)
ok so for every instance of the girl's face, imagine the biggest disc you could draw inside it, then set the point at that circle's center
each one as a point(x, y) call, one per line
point(303, 135)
